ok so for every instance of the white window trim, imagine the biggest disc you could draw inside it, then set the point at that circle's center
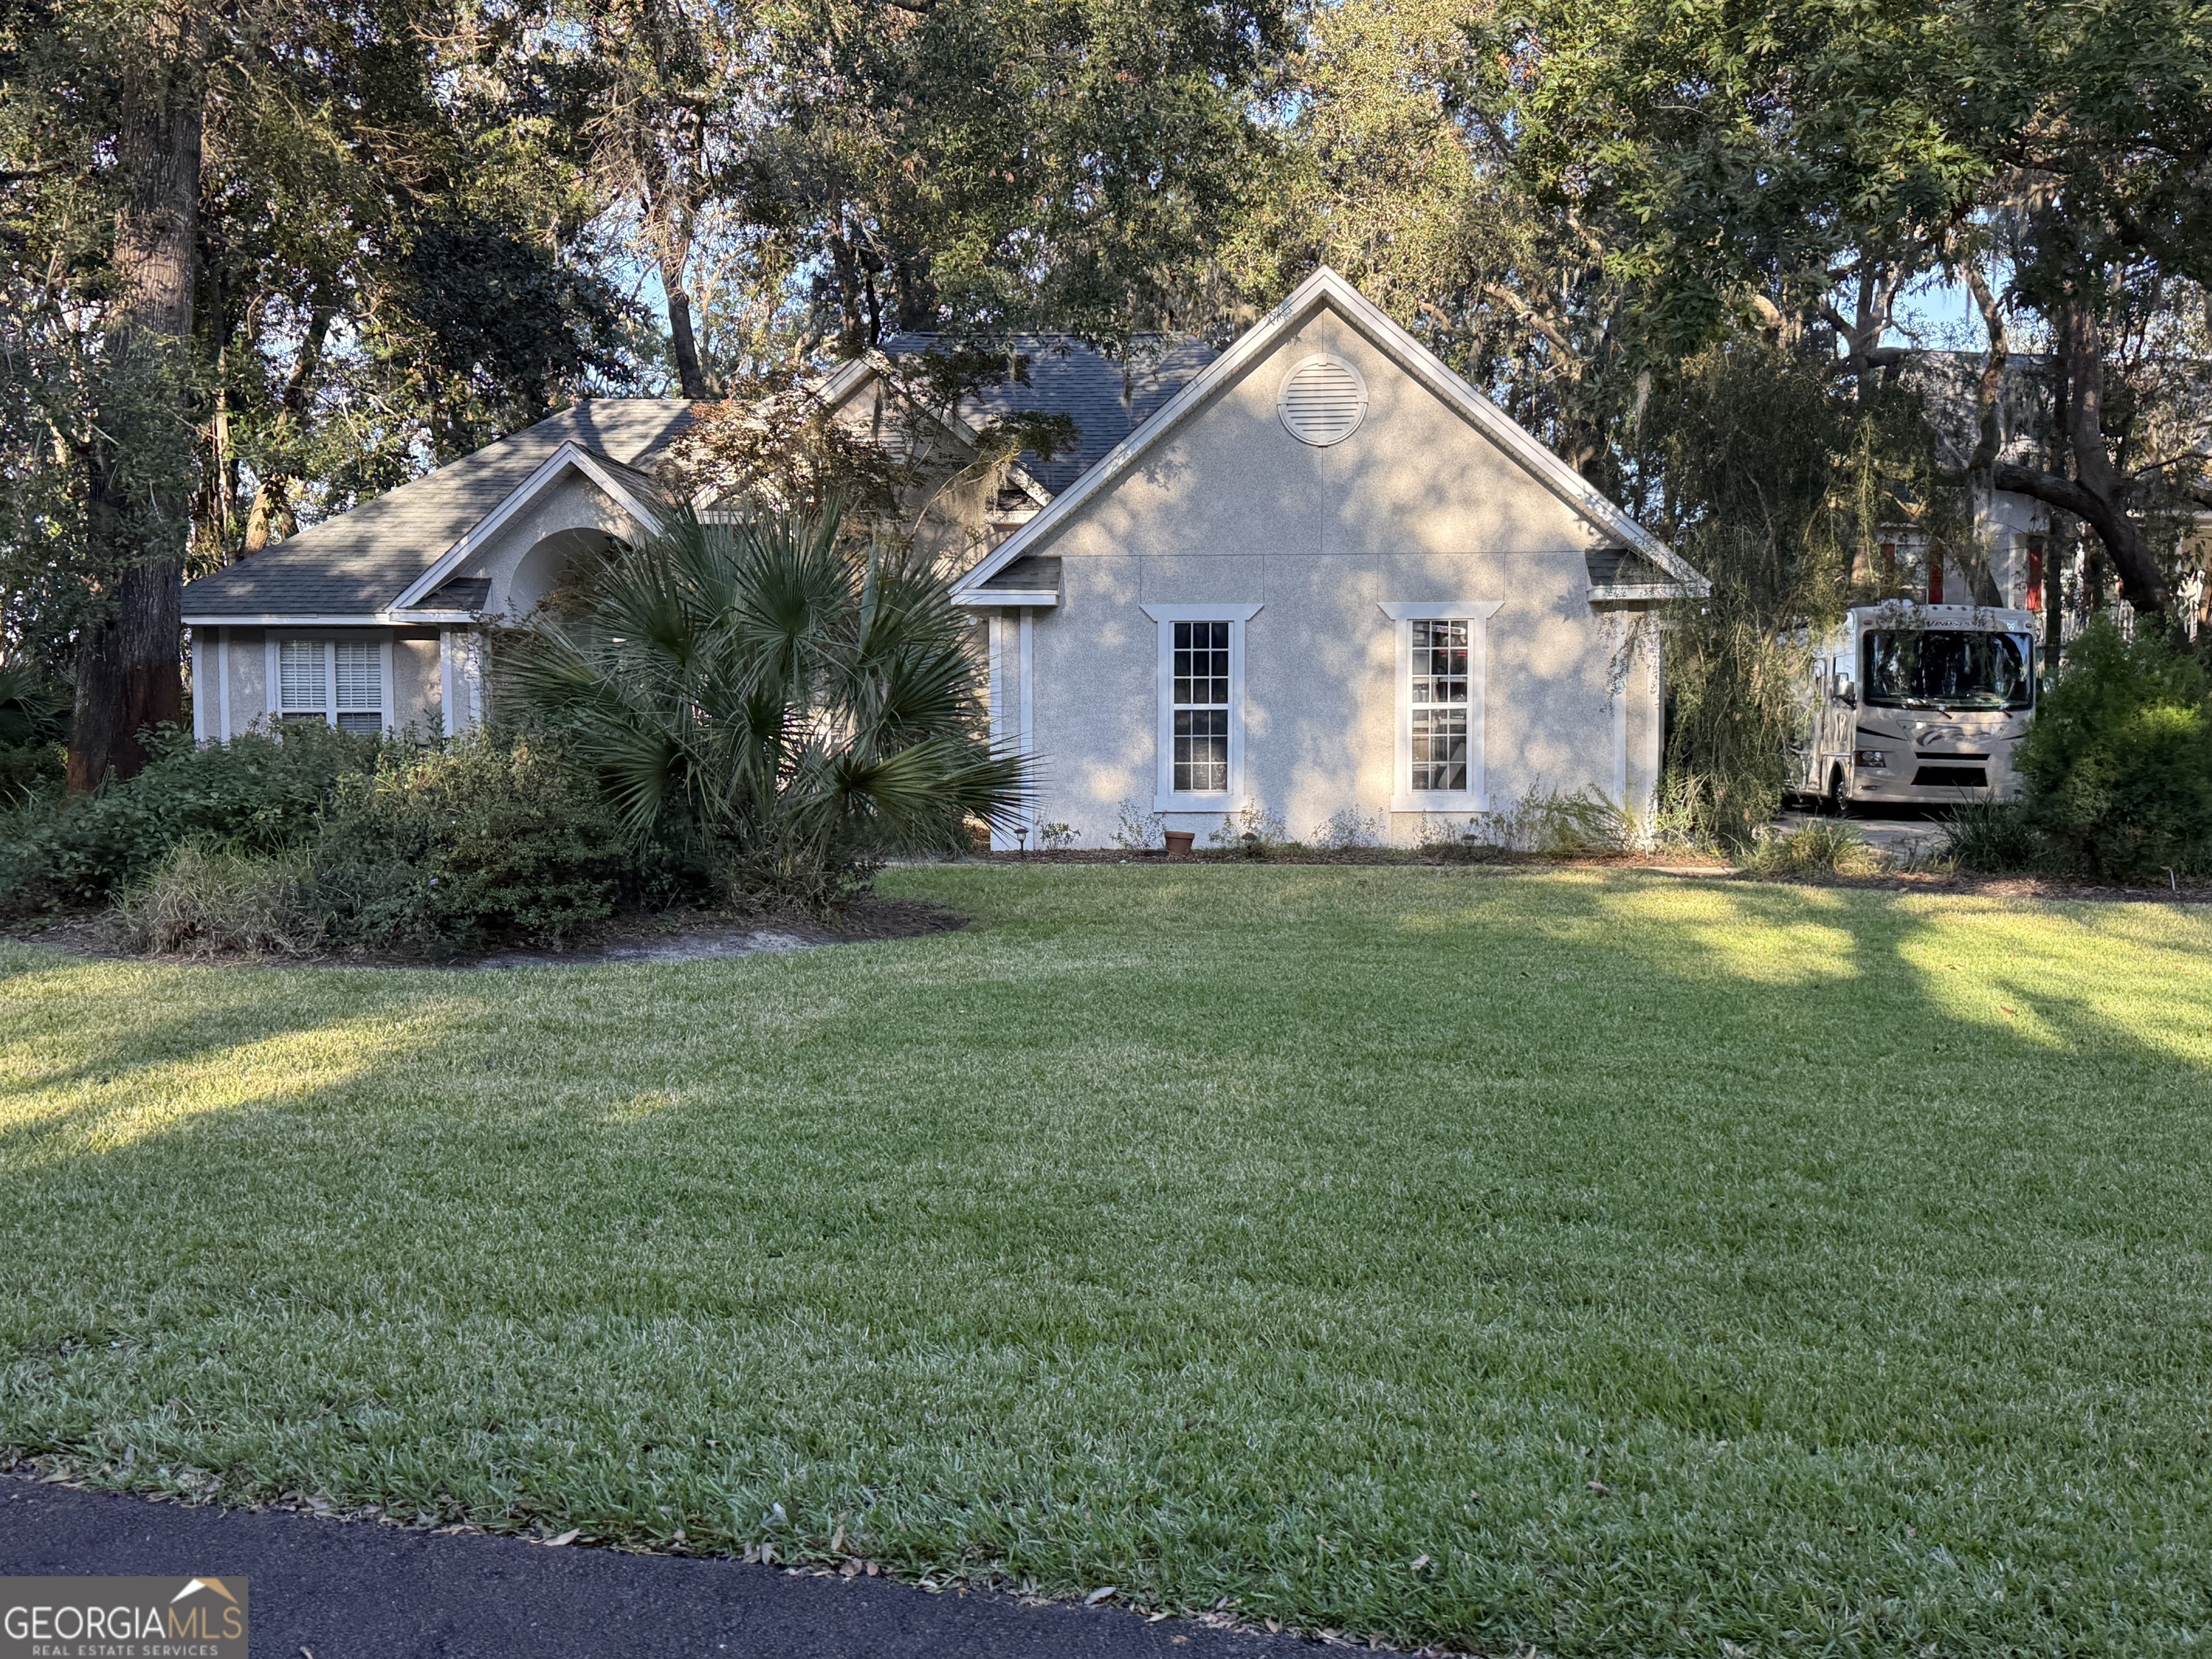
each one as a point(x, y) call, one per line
point(273, 645)
point(1014, 721)
point(1475, 798)
point(1166, 797)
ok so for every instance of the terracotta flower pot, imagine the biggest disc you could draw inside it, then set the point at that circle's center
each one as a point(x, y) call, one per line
point(1179, 843)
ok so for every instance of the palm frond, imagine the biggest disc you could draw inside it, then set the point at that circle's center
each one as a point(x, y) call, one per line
point(763, 690)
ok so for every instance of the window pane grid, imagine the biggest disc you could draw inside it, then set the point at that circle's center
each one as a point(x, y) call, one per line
point(1201, 707)
point(1439, 703)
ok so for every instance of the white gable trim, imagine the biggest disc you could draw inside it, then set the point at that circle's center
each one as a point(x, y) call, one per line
point(1323, 288)
point(570, 455)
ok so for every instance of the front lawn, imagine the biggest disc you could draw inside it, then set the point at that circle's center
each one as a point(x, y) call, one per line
point(1664, 1262)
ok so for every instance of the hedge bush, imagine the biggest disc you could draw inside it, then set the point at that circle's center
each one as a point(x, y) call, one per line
point(258, 794)
point(443, 850)
point(2117, 765)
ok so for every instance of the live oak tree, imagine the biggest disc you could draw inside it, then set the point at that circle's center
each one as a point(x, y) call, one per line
point(2091, 126)
point(667, 93)
point(990, 165)
point(140, 371)
point(1809, 162)
point(250, 246)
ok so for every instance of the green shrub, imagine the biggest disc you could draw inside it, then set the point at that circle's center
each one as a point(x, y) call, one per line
point(29, 768)
point(2118, 764)
point(1995, 837)
point(202, 901)
point(443, 850)
point(1823, 848)
point(33, 719)
point(256, 793)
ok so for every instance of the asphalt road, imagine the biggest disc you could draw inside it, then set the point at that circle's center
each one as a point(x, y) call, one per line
point(346, 1589)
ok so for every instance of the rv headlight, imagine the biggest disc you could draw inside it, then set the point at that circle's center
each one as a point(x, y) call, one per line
point(1876, 759)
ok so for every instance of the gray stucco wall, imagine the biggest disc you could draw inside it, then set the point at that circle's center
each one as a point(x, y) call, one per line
point(531, 552)
point(415, 676)
point(415, 682)
point(1415, 505)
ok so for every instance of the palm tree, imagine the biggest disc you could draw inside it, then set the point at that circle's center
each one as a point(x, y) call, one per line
point(792, 707)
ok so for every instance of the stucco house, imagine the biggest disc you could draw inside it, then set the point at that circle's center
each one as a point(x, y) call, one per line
point(372, 620)
point(1329, 580)
point(1317, 575)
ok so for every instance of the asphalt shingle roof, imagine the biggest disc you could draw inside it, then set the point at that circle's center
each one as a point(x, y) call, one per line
point(360, 561)
point(1033, 574)
point(1105, 397)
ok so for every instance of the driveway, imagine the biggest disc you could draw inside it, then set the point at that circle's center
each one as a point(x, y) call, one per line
point(1904, 837)
point(349, 1589)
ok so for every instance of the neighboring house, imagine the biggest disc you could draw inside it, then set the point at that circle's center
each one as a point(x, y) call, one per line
point(2011, 533)
point(1318, 575)
point(2015, 536)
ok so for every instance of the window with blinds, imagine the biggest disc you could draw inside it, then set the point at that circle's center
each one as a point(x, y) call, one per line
point(358, 679)
point(340, 683)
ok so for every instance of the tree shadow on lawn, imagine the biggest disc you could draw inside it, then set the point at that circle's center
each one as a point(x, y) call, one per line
point(1664, 1261)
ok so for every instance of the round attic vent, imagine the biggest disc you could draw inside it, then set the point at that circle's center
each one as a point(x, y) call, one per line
point(1322, 401)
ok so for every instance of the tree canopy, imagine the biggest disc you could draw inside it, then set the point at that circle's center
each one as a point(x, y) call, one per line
point(383, 232)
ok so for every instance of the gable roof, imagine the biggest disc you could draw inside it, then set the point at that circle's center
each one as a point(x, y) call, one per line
point(634, 492)
point(1325, 288)
point(359, 564)
point(1106, 397)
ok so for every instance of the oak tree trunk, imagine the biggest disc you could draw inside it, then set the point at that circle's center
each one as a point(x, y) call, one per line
point(138, 466)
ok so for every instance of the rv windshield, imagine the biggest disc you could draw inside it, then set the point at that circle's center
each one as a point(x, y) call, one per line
point(1947, 668)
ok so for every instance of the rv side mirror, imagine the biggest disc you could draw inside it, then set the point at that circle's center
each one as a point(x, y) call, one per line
point(1846, 692)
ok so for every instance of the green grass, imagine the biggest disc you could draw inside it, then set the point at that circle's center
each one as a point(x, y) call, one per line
point(1823, 1271)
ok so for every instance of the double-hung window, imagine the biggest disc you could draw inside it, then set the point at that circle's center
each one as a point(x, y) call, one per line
point(1441, 663)
point(341, 683)
point(1437, 705)
point(1201, 707)
point(1201, 704)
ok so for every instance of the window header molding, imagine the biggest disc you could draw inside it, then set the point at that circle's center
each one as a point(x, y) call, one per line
point(1176, 613)
point(1433, 609)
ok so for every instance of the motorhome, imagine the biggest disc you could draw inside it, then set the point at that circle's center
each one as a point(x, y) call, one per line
point(1918, 704)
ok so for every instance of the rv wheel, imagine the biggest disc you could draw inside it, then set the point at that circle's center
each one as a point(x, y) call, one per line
point(1837, 803)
